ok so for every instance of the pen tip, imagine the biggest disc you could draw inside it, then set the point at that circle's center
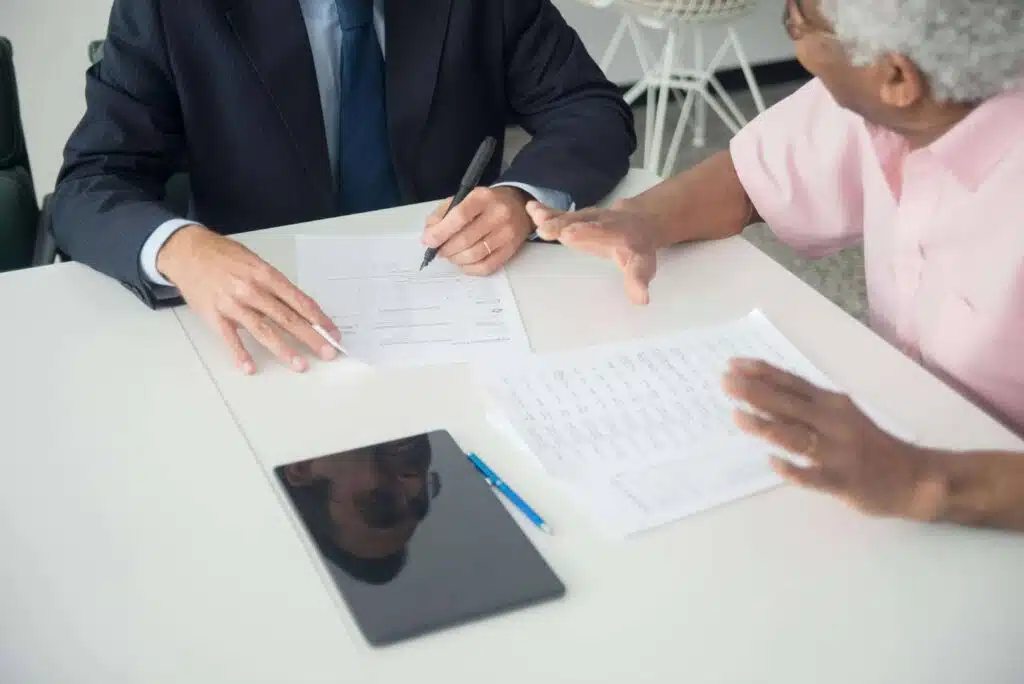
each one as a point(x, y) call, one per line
point(547, 528)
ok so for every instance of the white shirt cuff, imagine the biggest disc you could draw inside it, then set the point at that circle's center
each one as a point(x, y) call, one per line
point(556, 199)
point(157, 239)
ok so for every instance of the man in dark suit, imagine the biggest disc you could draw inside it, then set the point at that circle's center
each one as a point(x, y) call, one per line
point(285, 111)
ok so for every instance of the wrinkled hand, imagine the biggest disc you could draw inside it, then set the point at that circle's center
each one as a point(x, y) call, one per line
point(622, 234)
point(483, 232)
point(232, 288)
point(848, 455)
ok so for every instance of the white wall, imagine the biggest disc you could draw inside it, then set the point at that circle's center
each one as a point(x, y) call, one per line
point(50, 39)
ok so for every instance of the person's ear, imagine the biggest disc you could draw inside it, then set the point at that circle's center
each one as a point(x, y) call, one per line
point(299, 474)
point(902, 83)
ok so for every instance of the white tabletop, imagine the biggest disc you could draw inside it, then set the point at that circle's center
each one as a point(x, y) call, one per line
point(143, 539)
point(139, 539)
point(784, 587)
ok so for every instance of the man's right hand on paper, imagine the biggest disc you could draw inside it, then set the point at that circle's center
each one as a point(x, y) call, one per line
point(624, 234)
point(232, 288)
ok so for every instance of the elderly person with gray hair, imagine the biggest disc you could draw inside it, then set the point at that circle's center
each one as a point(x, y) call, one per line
point(910, 139)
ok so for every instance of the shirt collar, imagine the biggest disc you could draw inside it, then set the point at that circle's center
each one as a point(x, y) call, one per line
point(972, 148)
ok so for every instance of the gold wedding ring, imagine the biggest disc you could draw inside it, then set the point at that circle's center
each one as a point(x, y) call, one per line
point(488, 248)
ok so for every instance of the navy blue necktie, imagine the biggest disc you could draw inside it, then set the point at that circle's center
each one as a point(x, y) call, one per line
point(366, 173)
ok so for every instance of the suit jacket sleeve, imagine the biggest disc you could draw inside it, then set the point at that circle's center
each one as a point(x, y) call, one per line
point(582, 129)
point(109, 193)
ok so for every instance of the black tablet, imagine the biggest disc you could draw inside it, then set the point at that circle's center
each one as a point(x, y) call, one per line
point(414, 538)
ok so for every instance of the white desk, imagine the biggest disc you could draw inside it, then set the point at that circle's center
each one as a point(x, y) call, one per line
point(139, 541)
point(786, 587)
point(142, 541)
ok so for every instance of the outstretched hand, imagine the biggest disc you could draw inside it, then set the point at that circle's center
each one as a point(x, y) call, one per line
point(848, 455)
point(621, 234)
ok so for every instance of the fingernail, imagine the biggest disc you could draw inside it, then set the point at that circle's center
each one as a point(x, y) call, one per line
point(743, 364)
point(298, 363)
point(248, 368)
point(328, 353)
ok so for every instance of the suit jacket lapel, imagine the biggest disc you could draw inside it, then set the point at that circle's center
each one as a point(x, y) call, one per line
point(415, 32)
point(274, 37)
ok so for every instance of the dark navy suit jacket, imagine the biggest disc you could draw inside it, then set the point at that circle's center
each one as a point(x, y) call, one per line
point(227, 90)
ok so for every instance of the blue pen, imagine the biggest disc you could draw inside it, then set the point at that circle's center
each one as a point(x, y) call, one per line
point(509, 493)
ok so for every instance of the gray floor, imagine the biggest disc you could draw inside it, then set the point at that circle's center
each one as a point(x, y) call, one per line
point(839, 277)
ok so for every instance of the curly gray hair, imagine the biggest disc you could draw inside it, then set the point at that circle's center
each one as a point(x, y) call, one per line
point(969, 50)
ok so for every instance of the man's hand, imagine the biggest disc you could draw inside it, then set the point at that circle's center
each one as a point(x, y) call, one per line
point(849, 456)
point(483, 232)
point(232, 288)
point(623, 234)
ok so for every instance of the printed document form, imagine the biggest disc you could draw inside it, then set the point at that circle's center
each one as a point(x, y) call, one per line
point(392, 314)
point(642, 433)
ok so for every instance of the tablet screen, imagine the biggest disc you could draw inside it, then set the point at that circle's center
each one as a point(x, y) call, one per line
point(414, 538)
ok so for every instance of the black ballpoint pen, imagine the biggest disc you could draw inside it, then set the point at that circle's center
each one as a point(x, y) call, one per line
point(469, 181)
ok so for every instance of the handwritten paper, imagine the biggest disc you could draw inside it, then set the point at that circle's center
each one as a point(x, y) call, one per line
point(392, 314)
point(642, 432)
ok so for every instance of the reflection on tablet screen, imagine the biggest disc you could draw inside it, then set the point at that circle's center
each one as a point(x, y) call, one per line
point(362, 507)
point(406, 557)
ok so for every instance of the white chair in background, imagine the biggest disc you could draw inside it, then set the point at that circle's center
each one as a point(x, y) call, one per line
point(668, 76)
